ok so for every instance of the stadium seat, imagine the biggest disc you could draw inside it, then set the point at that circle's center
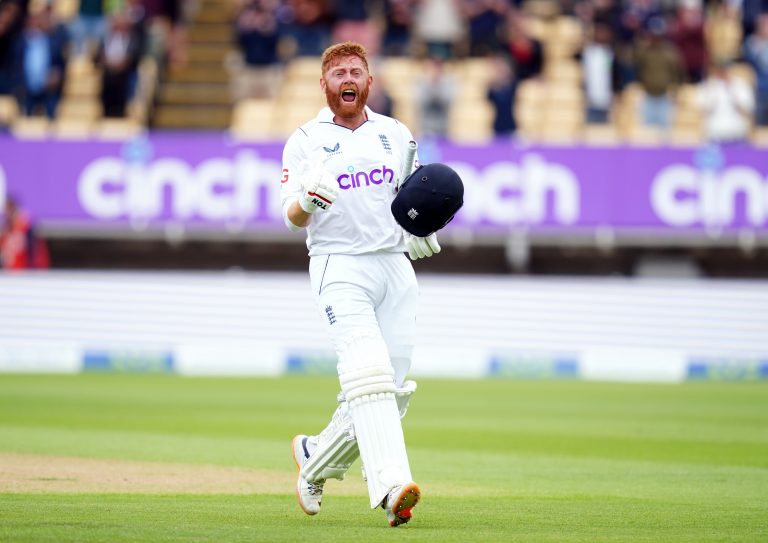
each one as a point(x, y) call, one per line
point(252, 119)
point(82, 86)
point(80, 108)
point(81, 65)
point(564, 71)
point(600, 135)
point(302, 69)
point(65, 10)
point(562, 123)
point(640, 135)
point(300, 90)
point(759, 137)
point(398, 74)
point(117, 129)
point(471, 122)
point(564, 38)
point(686, 136)
point(563, 95)
point(9, 109)
point(529, 106)
point(72, 128)
point(542, 9)
point(475, 70)
point(405, 111)
point(724, 36)
point(31, 128)
point(540, 28)
point(288, 116)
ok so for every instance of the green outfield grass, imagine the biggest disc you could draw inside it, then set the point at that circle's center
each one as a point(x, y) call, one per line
point(497, 460)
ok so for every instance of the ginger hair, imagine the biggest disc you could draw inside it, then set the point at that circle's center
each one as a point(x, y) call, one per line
point(348, 48)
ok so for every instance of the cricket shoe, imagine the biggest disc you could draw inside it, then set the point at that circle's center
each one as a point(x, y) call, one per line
point(309, 494)
point(399, 503)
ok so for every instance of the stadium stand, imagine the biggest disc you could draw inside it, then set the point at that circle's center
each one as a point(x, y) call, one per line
point(195, 94)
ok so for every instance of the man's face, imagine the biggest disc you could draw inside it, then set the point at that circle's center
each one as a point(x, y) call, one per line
point(346, 85)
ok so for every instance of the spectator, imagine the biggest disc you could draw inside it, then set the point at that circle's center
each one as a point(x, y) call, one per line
point(166, 33)
point(118, 57)
point(438, 27)
point(750, 11)
point(309, 26)
point(257, 35)
point(435, 92)
point(379, 100)
point(659, 71)
point(633, 19)
point(12, 18)
point(756, 53)
point(20, 247)
point(485, 19)
point(87, 27)
point(525, 51)
point(41, 63)
point(502, 90)
point(602, 74)
point(398, 19)
point(354, 21)
point(727, 103)
point(687, 33)
point(137, 14)
point(636, 15)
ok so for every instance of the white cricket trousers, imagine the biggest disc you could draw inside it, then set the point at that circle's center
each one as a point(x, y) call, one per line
point(365, 295)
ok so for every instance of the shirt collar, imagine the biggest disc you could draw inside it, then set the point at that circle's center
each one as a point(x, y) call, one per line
point(326, 115)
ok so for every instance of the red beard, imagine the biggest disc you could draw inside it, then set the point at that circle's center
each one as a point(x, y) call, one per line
point(347, 110)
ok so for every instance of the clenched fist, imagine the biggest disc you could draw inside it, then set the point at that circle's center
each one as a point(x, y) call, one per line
point(320, 189)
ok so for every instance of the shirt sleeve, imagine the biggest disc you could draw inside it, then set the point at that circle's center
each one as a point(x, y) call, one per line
point(290, 184)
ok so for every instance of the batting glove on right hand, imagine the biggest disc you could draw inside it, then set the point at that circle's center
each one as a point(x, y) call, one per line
point(421, 247)
point(320, 189)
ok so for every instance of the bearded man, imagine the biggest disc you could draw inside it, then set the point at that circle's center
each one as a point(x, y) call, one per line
point(341, 171)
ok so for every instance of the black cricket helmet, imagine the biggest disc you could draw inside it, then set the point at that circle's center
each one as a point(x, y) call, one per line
point(428, 199)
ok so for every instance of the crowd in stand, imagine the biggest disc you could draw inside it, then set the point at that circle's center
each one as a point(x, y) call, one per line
point(657, 44)
point(36, 47)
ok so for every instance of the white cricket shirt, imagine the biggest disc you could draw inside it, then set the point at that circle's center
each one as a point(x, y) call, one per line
point(367, 164)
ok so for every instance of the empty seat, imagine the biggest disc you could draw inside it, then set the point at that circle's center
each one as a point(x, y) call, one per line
point(31, 127)
point(9, 109)
point(117, 129)
point(252, 119)
point(80, 108)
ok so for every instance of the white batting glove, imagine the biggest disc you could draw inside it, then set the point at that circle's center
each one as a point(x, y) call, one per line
point(320, 189)
point(421, 247)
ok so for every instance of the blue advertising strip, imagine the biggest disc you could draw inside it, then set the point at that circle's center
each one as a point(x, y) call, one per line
point(534, 367)
point(310, 364)
point(128, 361)
point(727, 369)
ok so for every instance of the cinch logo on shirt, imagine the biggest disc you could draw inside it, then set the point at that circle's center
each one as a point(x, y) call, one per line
point(353, 180)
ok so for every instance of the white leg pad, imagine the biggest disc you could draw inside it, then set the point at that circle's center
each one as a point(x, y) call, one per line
point(336, 446)
point(336, 449)
point(367, 382)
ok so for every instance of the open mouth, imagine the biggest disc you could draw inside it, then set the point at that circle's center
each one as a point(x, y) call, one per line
point(348, 95)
